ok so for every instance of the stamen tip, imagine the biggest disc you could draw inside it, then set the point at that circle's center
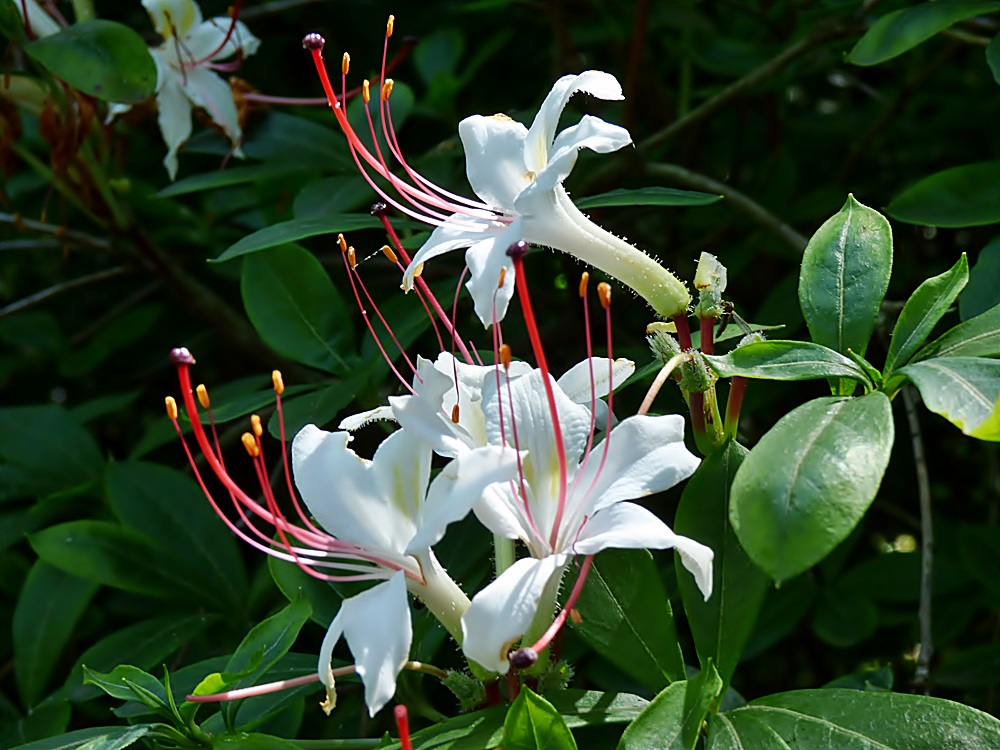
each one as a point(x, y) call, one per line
point(389, 24)
point(258, 428)
point(379, 209)
point(388, 253)
point(278, 382)
point(604, 294)
point(345, 64)
point(342, 242)
point(171, 404)
point(203, 399)
point(523, 658)
point(313, 41)
point(584, 279)
point(181, 356)
point(519, 249)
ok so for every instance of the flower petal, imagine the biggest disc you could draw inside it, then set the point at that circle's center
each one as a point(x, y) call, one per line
point(447, 237)
point(494, 158)
point(172, 18)
point(204, 42)
point(485, 260)
point(423, 416)
point(357, 421)
point(591, 132)
point(542, 130)
point(590, 378)
point(376, 625)
point(174, 118)
point(41, 23)
point(503, 611)
point(208, 90)
point(457, 488)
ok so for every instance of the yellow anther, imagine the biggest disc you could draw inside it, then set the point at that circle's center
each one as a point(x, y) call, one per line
point(584, 279)
point(505, 356)
point(171, 408)
point(258, 429)
point(352, 257)
point(342, 242)
point(250, 445)
point(604, 294)
point(366, 93)
point(386, 89)
point(203, 399)
point(389, 24)
point(454, 414)
point(418, 271)
point(388, 253)
point(575, 616)
point(278, 382)
point(345, 63)
point(503, 276)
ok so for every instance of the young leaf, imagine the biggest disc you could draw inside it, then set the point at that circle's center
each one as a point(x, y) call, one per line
point(722, 624)
point(963, 390)
point(809, 481)
point(976, 337)
point(845, 272)
point(965, 196)
point(900, 31)
point(626, 617)
point(297, 229)
point(128, 683)
point(786, 360)
point(922, 311)
point(533, 723)
point(673, 719)
point(983, 290)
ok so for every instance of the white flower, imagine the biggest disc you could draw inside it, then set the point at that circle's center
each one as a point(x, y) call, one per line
point(184, 71)
point(580, 509)
point(39, 22)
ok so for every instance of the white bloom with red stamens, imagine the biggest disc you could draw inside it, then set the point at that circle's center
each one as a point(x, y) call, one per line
point(185, 77)
point(570, 504)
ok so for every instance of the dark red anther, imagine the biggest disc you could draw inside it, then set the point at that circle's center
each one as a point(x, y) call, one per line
point(519, 249)
point(181, 356)
point(313, 41)
point(523, 658)
point(379, 209)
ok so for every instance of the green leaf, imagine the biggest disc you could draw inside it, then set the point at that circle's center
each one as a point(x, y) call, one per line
point(845, 272)
point(11, 24)
point(324, 597)
point(965, 196)
point(532, 723)
point(651, 196)
point(963, 390)
point(46, 720)
point(298, 229)
point(976, 337)
point(627, 619)
point(854, 719)
point(128, 683)
point(805, 486)
point(255, 741)
point(993, 57)
point(673, 720)
point(982, 293)
point(722, 624)
point(79, 738)
point(122, 738)
point(786, 360)
point(976, 667)
point(296, 308)
point(318, 407)
point(843, 618)
point(221, 178)
point(45, 618)
point(922, 311)
point(900, 31)
point(103, 59)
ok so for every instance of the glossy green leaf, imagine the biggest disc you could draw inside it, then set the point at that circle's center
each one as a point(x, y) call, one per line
point(852, 720)
point(786, 360)
point(673, 719)
point(533, 723)
point(296, 141)
point(810, 479)
point(976, 337)
point(993, 57)
point(76, 739)
point(902, 30)
point(45, 618)
point(128, 683)
point(965, 196)
point(48, 719)
point(296, 308)
point(324, 597)
point(845, 272)
point(963, 390)
point(11, 25)
point(651, 196)
point(319, 407)
point(982, 293)
point(170, 508)
point(103, 59)
point(221, 178)
point(298, 229)
point(922, 311)
point(627, 619)
point(976, 667)
point(783, 610)
point(722, 624)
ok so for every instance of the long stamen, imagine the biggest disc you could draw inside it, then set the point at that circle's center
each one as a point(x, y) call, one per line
point(403, 725)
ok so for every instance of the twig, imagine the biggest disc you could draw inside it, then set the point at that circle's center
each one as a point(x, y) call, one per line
point(57, 289)
point(741, 202)
point(60, 233)
point(921, 675)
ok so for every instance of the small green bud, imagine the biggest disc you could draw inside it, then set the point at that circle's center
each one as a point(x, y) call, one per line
point(696, 377)
point(468, 690)
point(710, 281)
point(556, 677)
point(661, 341)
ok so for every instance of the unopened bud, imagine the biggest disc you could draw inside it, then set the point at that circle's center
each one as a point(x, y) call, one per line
point(695, 375)
point(661, 340)
point(710, 281)
point(751, 338)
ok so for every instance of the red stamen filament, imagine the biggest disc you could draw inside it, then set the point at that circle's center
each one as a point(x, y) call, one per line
point(560, 619)
point(233, 16)
point(403, 725)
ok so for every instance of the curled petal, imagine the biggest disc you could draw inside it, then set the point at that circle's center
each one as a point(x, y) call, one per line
point(209, 91)
point(174, 118)
point(485, 260)
point(494, 158)
point(357, 421)
point(444, 239)
point(577, 383)
point(591, 132)
point(206, 40)
point(173, 18)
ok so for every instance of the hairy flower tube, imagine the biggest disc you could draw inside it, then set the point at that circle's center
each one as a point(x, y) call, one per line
point(367, 521)
point(186, 62)
point(517, 174)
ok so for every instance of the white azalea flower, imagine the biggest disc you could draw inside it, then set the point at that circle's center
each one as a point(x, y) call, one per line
point(38, 22)
point(559, 513)
point(184, 72)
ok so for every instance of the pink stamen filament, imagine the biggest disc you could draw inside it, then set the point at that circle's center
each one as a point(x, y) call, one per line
point(403, 725)
point(560, 619)
point(271, 687)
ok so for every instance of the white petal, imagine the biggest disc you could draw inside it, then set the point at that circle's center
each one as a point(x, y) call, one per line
point(494, 158)
point(174, 118)
point(444, 239)
point(457, 488)
point(357, 421)
point(591, 132)
point(376, 625)
point(423, 416)
point(589, 378)
point(172, 17)
point(485, 260)
point(542, 130)
point(41, 23)
point(206, 40)
point(502, 512)
point(503, 611)
point(209, 91)
point(341, 491)
point(115, 109)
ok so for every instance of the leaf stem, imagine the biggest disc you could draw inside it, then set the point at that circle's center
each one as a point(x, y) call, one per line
point(921, 675)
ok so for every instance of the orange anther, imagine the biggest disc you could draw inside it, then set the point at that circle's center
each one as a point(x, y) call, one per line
point(258, 429)
point(454, 414)
point(584, 279)
point(171, 408)
point(203, 399)
point(352, 257)
point(505, 355)
point(388, 253)
point(503, 276)
point(386, 89)
point(389, 24)
point(575, 616)
point(345, 63)
point(604, 294)
point(278, 382)
point(418, 271)
point(250, 445)
point(366, 93)
point(342, 242)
